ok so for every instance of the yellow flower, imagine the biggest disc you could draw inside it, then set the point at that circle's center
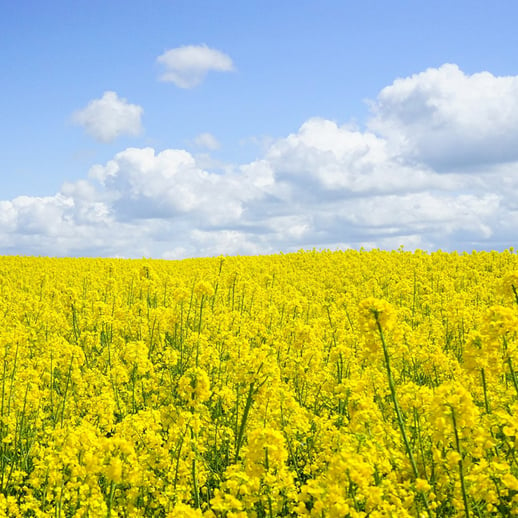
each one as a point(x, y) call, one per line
point(510, 285)
point(184, 511)
point(113, 470)
point(203, 288)
point(374, 311)
point(246, 387)
point(194, 386)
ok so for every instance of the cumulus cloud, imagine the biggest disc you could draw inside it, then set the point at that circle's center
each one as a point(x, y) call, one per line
point(334, 159)
point(109, 117)
point(187, 66)
point(325, 185)
point(448, 119)
point(144, 184)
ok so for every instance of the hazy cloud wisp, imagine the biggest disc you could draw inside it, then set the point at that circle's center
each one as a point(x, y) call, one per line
point(187, 66)
point(206, 141)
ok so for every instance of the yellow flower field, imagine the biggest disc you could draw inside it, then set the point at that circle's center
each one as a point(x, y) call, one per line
point(323, 384)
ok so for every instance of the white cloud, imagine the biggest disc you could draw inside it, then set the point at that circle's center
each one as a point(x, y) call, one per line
point(187, 66)
point(109, 117)
point(206, 141)
point(145, 185)
point(325, 185)
point(37, 215)
point(448, 119)
point(231, 242)
point(331, 158)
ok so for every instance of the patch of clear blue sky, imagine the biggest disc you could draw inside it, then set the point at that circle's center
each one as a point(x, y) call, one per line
point(294, 59)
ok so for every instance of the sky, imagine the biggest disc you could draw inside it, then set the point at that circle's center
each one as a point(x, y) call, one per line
point(190, 128)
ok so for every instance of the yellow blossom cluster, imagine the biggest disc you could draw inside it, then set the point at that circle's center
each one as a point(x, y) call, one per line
point(322, 384)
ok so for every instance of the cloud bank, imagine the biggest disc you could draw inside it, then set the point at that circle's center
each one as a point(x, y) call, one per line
point(109, 117)
point(435, 167)
point(187, 66)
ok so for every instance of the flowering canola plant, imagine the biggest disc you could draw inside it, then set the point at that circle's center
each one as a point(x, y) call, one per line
point(320, 384)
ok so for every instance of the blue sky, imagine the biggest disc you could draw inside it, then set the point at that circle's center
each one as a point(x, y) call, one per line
point(283, 125)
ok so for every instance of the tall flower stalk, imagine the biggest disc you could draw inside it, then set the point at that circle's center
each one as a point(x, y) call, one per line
point(397, 408)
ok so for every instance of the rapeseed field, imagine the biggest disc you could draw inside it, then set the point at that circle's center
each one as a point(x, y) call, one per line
point(322, 384)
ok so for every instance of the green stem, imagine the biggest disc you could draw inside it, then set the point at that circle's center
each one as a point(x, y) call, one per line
point(51, 390)
point(420, 442)
point(110, 499)
point(200, 320)
point(513, 375)
point(195, 481)
point(3, 432)
point(484, 386)
point(67, 383)
point(246, 411)
point(392, 387)
point(176, 472)
point(11, 385)
point(290, 447)
point(461, 467)
point(399, 414)
point(270, 509)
